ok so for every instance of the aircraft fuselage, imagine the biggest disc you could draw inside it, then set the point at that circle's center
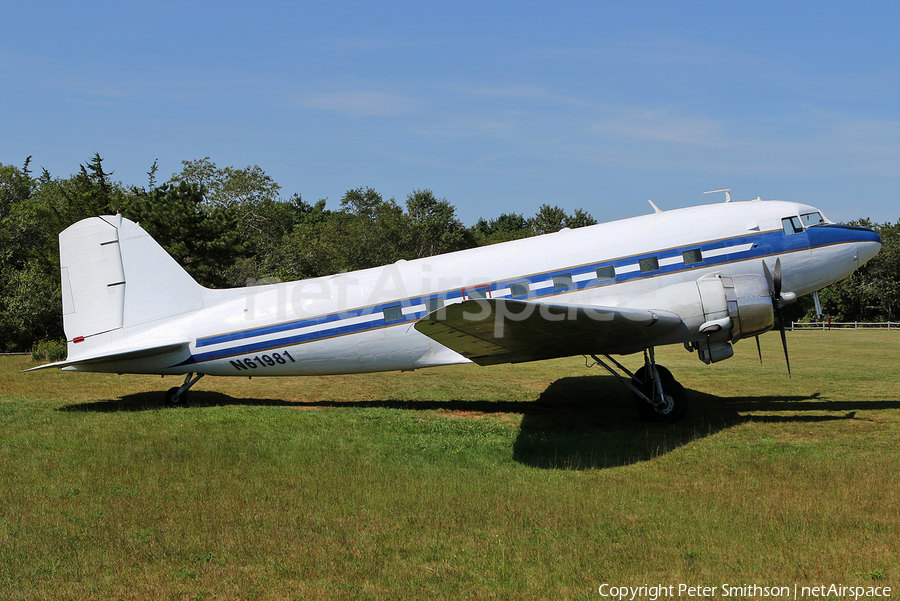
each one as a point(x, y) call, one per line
point(363, 321)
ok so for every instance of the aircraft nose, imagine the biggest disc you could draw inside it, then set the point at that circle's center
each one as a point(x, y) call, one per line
point(867, 245)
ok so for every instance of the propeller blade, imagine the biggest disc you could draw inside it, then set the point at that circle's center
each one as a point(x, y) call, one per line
point(759, 350)
point(774, 282)
point(776, 291)
point(768, 275)
point(784, 339)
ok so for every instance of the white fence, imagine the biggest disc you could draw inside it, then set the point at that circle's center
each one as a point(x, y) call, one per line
point(845, 325)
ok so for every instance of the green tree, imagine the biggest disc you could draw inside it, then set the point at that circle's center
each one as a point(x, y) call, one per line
point(509, 226)
point(370, 231)
point(363, 202)
point(580, 218)
point(364, 233)
point(434, 228)
point(274, 253)
point(22, 227)
point(872, 292)
point(60, 202)
point(248, 193)
point(317, 247)
point(32, 213)
point(264, 220)
point(548, 220)
point(552, 219)
point(16, 186)
point(229, 187)
point(375, 231)
point(30, 306)
point(203, 239)
point(29, 270)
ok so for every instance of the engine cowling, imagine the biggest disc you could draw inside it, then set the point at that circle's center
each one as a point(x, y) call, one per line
point(749, 312)
point(749, 305)
point(717, 310)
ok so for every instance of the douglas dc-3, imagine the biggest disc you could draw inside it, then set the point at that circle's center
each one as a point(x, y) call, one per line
point(705, 276)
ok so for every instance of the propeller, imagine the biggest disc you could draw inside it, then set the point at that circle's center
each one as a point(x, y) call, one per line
point(774, 282)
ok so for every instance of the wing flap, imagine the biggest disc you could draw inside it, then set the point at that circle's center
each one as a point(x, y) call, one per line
point(491, 331)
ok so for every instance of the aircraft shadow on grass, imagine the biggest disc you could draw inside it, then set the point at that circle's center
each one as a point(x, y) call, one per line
point(582, 422)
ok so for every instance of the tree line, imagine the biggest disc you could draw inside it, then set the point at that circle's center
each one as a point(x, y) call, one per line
point(232, 227)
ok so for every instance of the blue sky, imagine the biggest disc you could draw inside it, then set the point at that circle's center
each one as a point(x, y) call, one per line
point(499, 107)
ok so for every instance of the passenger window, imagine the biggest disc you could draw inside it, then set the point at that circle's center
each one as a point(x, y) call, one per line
point(433, 304)
point(791, 225)
point(562, 281)
point(475, 293)
point(519, 289)
point(393, 313)
point(692, 256)
point(651, 264)
point(607, 272)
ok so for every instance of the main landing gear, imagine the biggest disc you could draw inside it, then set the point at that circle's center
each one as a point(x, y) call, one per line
point(658, 396)
point(178, 395)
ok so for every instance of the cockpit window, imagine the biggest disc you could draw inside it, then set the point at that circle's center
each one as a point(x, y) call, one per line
point(792, 225)
point(812, 219)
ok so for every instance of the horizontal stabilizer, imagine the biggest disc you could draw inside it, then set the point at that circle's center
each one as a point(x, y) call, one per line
point(118, 355)
point(490, 331)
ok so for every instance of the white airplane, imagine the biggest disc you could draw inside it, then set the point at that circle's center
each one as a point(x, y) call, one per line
point(705, 277)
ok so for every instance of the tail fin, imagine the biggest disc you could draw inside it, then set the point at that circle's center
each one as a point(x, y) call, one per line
point(115, 278)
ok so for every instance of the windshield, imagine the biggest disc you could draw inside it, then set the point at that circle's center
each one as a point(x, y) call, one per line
point(811, 219)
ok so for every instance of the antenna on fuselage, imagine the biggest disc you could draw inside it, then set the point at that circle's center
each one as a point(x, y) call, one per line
point(656, 209)
point(727, 192)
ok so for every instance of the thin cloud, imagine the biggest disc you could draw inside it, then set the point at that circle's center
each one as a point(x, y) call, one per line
point(454, 127)
point(637, 51)
point(871, 145)
point(662, 125)
point(521, 92)
point(362, 103)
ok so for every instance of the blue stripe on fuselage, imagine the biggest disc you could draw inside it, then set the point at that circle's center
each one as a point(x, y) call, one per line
point(827, 234)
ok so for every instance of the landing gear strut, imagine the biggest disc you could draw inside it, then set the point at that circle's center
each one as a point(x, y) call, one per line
point(658, 396)
point(177, 395)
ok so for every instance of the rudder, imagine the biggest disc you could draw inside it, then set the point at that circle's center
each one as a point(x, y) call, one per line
point(93, 279)
point(116, 277)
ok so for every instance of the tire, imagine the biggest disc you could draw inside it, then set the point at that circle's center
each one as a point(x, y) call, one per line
point(172, 401)
point(663, 372)
point(676, 396)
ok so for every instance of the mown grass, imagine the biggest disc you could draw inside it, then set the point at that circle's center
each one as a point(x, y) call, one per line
point(534, 481)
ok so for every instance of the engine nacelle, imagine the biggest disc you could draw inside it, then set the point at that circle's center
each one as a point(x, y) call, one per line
point(717, 310)
point(748, 305)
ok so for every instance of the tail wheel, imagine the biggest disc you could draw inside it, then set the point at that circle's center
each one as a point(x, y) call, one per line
point(173, 399)
point(177, 396)
point(674, 395)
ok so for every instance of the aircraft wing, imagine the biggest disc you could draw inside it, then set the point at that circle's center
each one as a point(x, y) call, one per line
point(491, 331)
point(122, 354)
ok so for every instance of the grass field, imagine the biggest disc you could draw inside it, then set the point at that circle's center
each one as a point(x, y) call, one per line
point(534, 481)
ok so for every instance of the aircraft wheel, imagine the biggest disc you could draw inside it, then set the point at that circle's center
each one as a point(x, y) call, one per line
point(174, 401)
point(663, 372)
point(674, 393)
